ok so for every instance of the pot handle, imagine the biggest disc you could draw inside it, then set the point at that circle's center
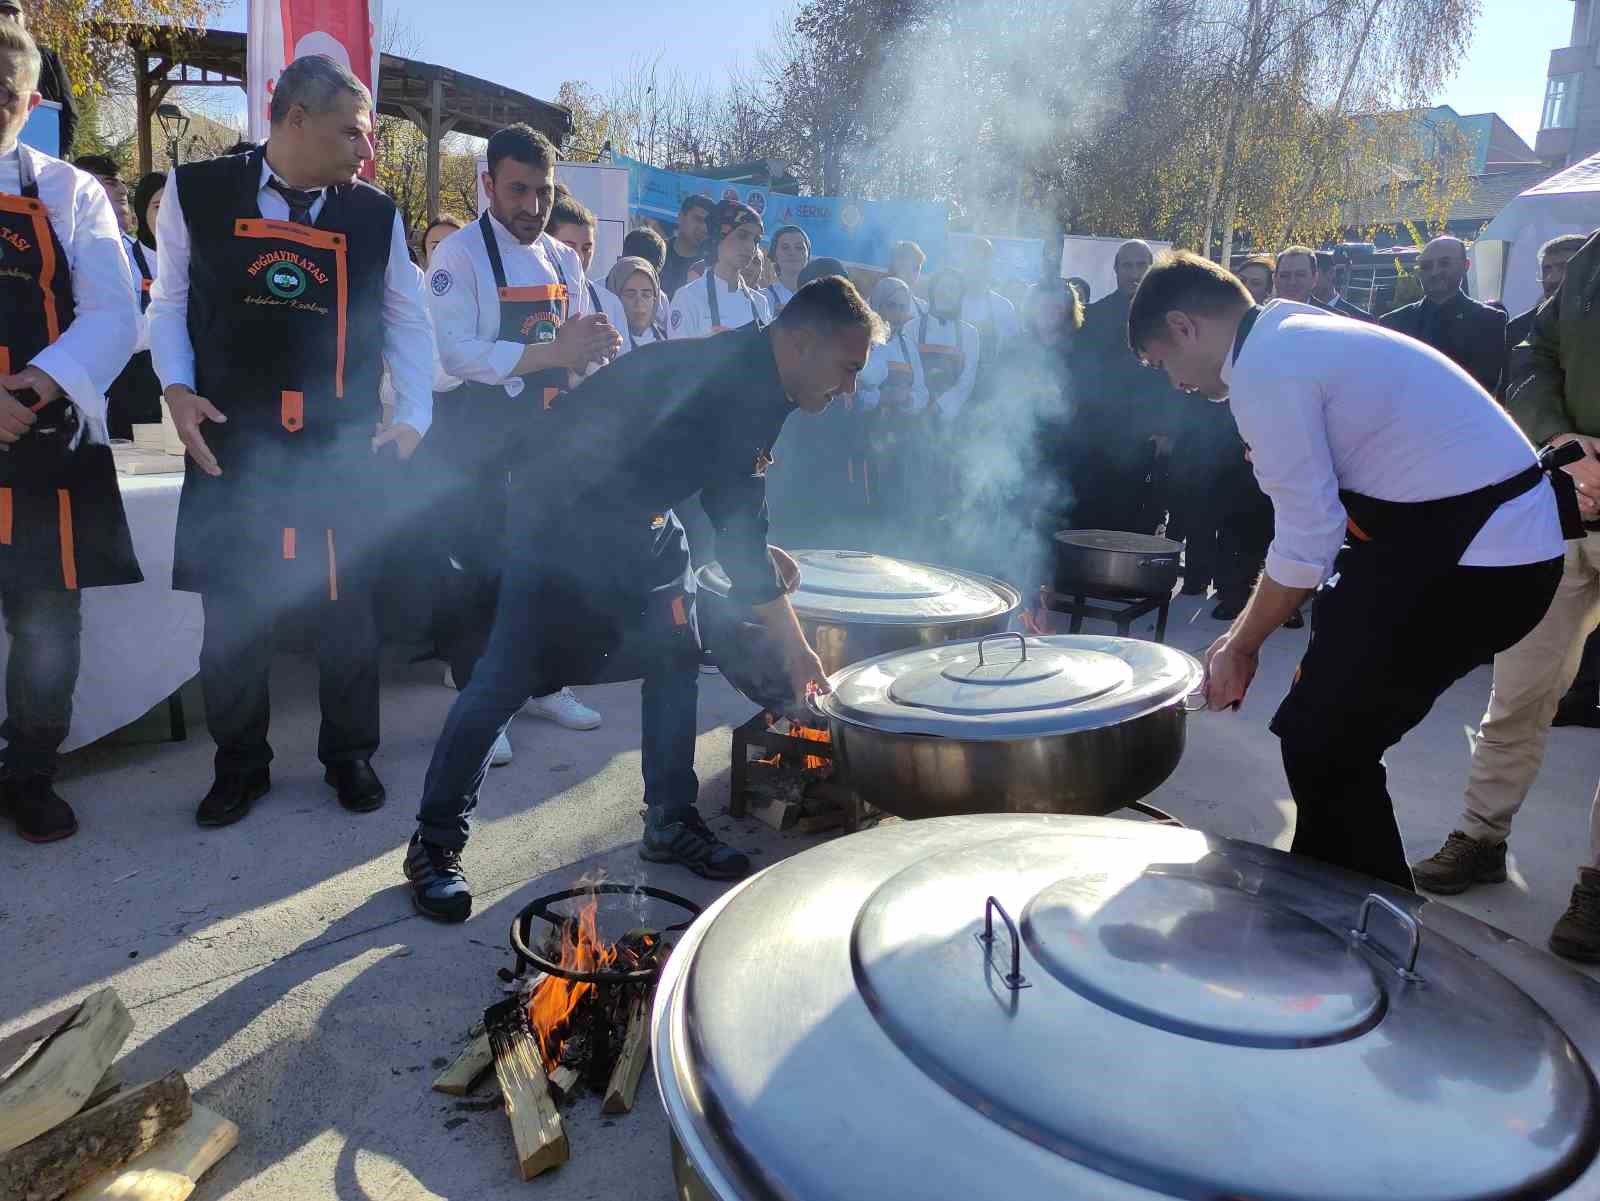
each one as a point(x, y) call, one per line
point(1194, 701)
point(1407, 923)
point(1014, 979)
point(1022, 641)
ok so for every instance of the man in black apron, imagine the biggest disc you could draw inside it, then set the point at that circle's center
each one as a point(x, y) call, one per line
point(597, 578)
point(1454, 540)
point(66, 327)
point(283, 290)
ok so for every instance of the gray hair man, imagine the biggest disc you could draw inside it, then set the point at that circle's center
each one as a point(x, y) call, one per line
point(284, 291)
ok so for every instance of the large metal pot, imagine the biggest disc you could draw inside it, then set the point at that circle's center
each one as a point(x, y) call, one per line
point(1071, 723)
point(852, 605)
point(1032, 1007)
point(1114, 563)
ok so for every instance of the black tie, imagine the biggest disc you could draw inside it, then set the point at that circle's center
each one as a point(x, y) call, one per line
point(300, 200)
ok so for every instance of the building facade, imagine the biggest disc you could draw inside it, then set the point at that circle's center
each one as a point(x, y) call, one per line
point(1569, 125)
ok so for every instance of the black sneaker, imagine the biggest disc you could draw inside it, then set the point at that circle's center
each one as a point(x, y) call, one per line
point(40, 814)
point(1462, 862)
point(1577, 709)
point(438, 885)
point(1227, 610)
point(232, 793)
point(682, 837)
point(1577, 933)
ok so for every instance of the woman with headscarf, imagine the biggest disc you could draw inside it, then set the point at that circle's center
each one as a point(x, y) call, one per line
point(789, 252)
point(634, 282)
point(134, 397)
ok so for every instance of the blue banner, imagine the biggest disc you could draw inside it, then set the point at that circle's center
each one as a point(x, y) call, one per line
point(853, 231)
point(43, 128)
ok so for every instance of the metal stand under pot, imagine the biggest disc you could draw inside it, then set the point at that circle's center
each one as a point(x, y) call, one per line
point(1132, 574)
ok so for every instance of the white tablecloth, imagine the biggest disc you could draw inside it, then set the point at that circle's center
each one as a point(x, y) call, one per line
point(140, 641)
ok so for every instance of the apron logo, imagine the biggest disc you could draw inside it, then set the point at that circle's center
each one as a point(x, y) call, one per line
point(677, 318)
point(286, 281)
point(440, 283)
point(541, 329)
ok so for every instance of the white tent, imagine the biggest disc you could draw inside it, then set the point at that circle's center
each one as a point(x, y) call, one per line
point(1506, 255)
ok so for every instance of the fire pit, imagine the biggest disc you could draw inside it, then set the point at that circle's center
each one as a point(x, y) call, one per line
point(579, 1023)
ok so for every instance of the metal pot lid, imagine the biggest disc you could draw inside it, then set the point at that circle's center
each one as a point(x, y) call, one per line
point(858, 586)
point(1009, 686)
point(1119, 540)
point(1194, 1018)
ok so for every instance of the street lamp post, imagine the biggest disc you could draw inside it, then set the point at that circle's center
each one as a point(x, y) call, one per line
point(174, 124)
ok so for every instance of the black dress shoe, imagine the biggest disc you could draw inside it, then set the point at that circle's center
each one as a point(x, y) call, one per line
point(40, 814)
point(358, 786)
point(1227, 610)
point(1577, 709)
point(232, 793)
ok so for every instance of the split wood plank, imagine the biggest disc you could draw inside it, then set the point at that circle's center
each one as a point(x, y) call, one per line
point(564, 1083)
point(778, 814)
point(72, 1154)
point(466, 1069)
point(536, 1129)
point(13, 1045)
point(61, 1075)
point(171, 1170)
point(625, 1075)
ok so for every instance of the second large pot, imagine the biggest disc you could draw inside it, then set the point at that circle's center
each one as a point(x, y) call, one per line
point(1077, 724)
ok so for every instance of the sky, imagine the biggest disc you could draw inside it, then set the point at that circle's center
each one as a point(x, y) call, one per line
point(1504, 71)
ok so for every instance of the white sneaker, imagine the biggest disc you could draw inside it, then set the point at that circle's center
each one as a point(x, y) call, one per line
point(564, 709)
point(449, 677)
point(502, 754)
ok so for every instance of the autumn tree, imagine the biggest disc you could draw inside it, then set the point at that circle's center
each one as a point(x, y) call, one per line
point(86, 33)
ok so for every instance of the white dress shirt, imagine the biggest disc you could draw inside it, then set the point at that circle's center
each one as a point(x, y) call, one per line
point(777, 296)
point(1326, 403)
point(900, 348)
point(465, 301)
point(991, 306)
point(406, 334)
point(92, 351)
point(137, 272)
point(943, 331)
point(691, 308)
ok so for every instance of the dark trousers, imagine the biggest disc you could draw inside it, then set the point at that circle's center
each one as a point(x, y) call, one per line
point(41, 672)
point(517, 665)
point(1244, 532)
point(1386, 642)
point(236, 660)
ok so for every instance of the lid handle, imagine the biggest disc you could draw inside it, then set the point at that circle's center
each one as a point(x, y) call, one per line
point(1014, 979)
point(1022, 642)
point(1407, 923)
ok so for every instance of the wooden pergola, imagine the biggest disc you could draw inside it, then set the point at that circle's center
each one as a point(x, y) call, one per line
point(437, 100)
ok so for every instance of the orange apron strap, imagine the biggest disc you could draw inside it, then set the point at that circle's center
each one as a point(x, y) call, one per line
point(5, 516)
point(1361, 535)
point(550, 395)
point(293, 411)
point(333, 570)
point(5, 360)
point(69, 553)
point(680, 612)
point(288, 543)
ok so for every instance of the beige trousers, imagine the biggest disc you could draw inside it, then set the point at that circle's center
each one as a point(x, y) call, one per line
point(1529, 680)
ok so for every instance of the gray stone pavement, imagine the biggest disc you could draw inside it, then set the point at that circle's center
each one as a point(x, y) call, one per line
point(280, 965)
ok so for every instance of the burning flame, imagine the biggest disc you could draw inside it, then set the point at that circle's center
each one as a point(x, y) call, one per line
point(555, 998)
point(816, 763)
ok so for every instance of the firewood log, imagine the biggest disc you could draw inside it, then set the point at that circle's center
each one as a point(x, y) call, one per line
point(630, 1063)
point(466, 1069)
point(536, 1129)
point(59, 1077)
point(170, 1170)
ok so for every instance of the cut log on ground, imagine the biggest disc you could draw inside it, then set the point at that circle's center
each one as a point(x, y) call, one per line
point(170, 1170)
point(780, 815)
point(630, 1063)
point(58, 1078)
point(466, 1069)
point(536, 1129)
point(72, 1154)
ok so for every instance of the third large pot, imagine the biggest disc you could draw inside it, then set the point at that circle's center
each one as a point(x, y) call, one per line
point(1115, 563)
point(1066, 724)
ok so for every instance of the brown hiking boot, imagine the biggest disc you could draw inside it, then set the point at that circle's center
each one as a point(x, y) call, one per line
point(1461, 863)
point(1577, 934)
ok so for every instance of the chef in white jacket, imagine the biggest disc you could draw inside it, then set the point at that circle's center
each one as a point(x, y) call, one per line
point(67, 326)
point(719, 300)
point(948, 345)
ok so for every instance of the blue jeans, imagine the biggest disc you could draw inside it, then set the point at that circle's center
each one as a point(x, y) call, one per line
point(518, 665)
point(41, 673)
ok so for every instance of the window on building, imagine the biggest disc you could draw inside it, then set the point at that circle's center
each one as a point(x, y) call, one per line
point(1560, 102)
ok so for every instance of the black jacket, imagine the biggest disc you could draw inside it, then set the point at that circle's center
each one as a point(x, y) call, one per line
point(54, 85)
point(1516, 363)
point(644, 434)
point(1343, 307)
point(1469, 333)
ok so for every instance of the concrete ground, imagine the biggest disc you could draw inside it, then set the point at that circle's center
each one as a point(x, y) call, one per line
point(280, 965)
